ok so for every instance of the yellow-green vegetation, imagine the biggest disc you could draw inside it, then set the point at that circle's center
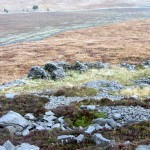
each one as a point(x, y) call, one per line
point(75, 91)
point(74, 78)
point(139, 91)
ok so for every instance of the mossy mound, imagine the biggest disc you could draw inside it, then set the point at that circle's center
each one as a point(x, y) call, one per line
point(76, 91)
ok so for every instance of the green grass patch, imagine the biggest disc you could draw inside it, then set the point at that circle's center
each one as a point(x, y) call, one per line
point(115, 73)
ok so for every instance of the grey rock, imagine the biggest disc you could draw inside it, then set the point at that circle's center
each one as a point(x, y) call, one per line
point(56, 126)
point(51, 66)
point(107, 126)
point(65, 138)
point(80, 66)
point(112, 123)
point(13, 118)
point(2, 148)
point(58, 74)
point(143, 147)
point(61, 120)
point(128, 66)
point(90, 129)
point(79, 138)
point(8, 145)
point(101, 141)
point(37, 72)
point(49, 113)
point(116, 116)
point(11, 84)
point(30, 116)
point(96, 65)
point(40, 128)
point(104, 85)
point(10, 95)
point(26, 146)
point(49, 118)
point(25, 132)
point(100, 121)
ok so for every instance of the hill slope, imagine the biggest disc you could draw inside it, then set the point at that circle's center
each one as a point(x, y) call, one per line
point(19, 5)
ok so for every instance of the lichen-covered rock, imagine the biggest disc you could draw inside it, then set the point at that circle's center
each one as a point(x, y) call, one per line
point(55, 70)
point(37, 72)
point(96, 65)
point(80, 66)
point(58, 74)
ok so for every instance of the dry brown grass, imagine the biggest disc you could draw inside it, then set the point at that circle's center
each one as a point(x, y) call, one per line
point(123, 42)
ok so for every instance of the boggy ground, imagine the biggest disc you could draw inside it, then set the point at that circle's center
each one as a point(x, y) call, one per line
point(123, 42)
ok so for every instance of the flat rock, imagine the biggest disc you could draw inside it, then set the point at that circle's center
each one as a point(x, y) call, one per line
point(101, 141)
point(26, 146)
point(8, 145)
point(13, 118)
point(143, 147)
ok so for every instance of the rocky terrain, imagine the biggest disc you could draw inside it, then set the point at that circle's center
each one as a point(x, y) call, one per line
point(84, 105)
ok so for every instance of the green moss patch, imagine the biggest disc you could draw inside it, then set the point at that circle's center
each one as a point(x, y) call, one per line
point(74, 116)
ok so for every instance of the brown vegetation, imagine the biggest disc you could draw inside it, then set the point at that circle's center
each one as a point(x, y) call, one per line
point(123, 42)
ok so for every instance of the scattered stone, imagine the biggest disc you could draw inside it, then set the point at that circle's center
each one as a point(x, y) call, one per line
point(80, 66)
point(37, 72)
point(10, 95)
point(49, 113)
point(90, 129)
point(128, 66)
point(143, 147)
point(65, 138)
point(26, 146)
point(116, 116)
point(96, 65)
point(30, 116)
point(25, 132)
point(100, 121)
point(79, 138)
point(58, 74)
point(101, 141)
point(104, 85)
point(8, 145)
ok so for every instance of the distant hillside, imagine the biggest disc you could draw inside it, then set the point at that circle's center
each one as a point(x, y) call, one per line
point(53, 5)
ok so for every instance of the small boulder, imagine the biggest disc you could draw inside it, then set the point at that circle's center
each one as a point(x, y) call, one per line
point(101, 141)
point(100, 121)
point(80, 66)
point(8, 145)
point(37, 72)
point(143, 147)
point(58, 74)
point(26, 146)
point(13, 118)
point(79, 138)
point(65, 138)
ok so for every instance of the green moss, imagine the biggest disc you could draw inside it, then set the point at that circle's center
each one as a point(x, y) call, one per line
point(76, 91)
